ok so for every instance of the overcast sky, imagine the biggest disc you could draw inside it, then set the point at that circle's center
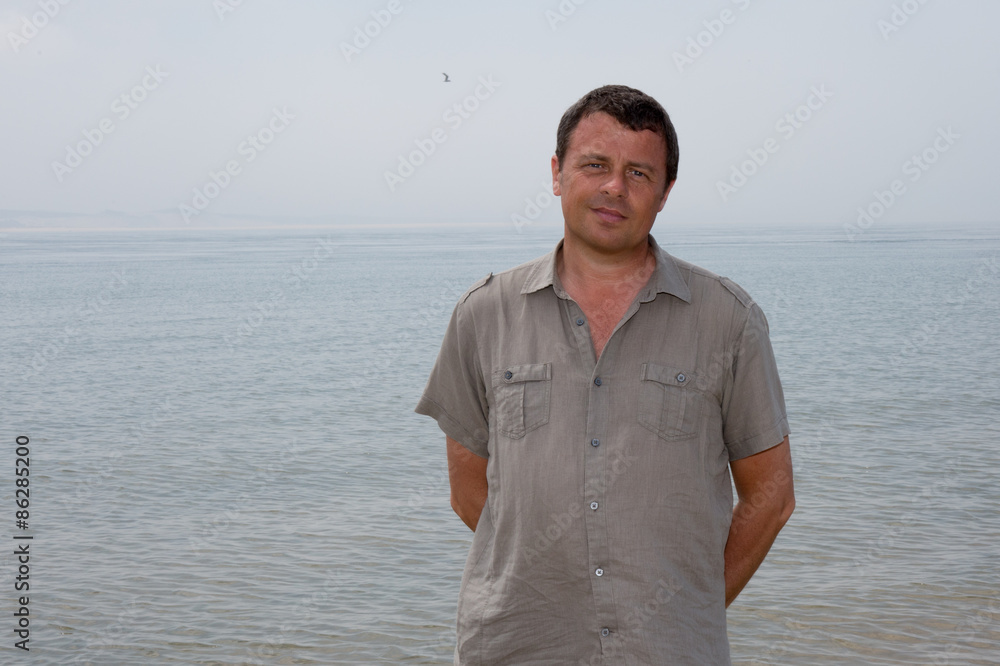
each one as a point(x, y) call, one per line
point(183, 85)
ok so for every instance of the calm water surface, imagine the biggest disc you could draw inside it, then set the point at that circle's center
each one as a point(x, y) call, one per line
point(225, 466)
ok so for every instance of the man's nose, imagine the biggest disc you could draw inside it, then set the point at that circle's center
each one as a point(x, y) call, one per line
point(614, 185)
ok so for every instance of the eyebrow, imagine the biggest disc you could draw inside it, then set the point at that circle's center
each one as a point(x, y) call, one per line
point(597, 157)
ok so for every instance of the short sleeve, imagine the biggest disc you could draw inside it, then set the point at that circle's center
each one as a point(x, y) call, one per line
point(455, 395)
point(754, 417)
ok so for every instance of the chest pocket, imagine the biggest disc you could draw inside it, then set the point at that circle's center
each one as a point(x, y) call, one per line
point(668, 404)
point(522, 394)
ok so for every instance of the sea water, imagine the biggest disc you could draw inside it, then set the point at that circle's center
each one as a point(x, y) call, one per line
point(225, 466)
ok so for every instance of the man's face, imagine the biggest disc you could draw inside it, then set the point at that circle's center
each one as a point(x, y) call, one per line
point(612, 182)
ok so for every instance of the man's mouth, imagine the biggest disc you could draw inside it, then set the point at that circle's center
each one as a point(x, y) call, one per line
point(609, 214)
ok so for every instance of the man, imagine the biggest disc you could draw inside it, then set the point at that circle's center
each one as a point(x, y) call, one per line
point(595, 401)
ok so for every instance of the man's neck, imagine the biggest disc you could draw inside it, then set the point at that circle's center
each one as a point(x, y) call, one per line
point(604, 285)
point(582, 269)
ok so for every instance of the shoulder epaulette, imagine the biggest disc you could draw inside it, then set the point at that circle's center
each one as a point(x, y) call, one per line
point(476, 285)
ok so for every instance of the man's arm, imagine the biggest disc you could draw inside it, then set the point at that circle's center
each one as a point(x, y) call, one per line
point(467, 474)
point(766, 501)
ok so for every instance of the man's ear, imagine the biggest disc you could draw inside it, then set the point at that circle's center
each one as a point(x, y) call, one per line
point(666, 193)
point(555, 176)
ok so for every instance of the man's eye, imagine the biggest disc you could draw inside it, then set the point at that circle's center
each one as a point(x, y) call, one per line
point(638, 173)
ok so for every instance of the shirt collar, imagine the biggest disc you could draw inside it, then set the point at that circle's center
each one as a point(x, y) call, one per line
point(666, 276)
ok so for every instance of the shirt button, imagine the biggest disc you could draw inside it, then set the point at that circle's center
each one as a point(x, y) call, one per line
point(605, 631)
point(599, 572)
point(681, 377)
point(508, 374)
point(598, 381)
point(595, 442)
point(579, 321)
point(593, 505)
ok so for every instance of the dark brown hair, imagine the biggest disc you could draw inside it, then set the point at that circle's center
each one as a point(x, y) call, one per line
point(632, 108)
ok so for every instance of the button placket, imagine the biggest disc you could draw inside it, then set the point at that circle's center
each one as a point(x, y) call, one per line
point(578, 323)
point(600, 398)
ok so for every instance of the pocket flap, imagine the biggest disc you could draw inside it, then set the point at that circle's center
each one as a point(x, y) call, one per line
point(664, 374)
point(532, 372)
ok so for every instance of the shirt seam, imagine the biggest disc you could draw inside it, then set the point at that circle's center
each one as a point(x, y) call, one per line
point(479, 365)
point(491, 579)
point(441, 411)
point(736, 342)
point(776, 426)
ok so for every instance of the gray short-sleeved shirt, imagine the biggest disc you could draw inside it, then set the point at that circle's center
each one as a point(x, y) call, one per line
point(610, 499)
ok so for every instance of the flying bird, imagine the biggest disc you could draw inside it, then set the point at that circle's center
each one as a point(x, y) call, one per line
point(446, 79)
